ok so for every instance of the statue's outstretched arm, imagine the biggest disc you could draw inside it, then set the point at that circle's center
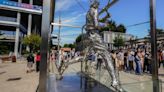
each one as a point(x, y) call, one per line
point(103, 20)
point(108, 6)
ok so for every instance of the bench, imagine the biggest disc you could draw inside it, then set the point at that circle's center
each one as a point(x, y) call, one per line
point(5, 59)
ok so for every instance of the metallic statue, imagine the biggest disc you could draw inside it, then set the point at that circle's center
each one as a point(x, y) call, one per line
point(96, 42)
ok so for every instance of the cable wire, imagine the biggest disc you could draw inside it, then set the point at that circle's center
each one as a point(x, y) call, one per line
point(77, 1)
point(139, 24)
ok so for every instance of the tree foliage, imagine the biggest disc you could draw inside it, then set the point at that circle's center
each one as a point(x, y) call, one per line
point(112, 26)
point(65, 45)
point(79, 38)
point(121, 28)
point(159, 32)
point(69, 46)
point(33, 41)
point(118, 41)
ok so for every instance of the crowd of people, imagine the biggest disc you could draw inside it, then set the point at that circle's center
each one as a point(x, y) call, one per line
point(64, 56)
point(136, 61)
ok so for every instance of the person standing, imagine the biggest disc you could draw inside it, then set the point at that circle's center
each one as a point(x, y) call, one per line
point(126, 64)
point(159, 58)
point(72, 53)
point(30, 61)
point(120, 57)
point(146, 67)
point(130, 61)
point(162, 57)
point(37, 59)
point(142, 58)
point(138, 62)
point(113, 54)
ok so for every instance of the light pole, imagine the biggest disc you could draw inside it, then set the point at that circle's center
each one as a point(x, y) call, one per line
point(154, 46)
point(47, 18)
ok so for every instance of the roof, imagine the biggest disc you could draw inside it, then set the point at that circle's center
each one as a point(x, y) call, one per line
point(66, 49)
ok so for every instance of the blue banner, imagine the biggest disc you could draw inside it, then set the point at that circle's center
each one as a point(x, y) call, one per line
point(20, 5)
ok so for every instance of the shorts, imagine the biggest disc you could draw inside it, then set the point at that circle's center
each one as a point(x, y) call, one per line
point(30, 64)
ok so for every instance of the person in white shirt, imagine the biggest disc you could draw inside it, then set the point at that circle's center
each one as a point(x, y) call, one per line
point(130, 61)
point(120, 57)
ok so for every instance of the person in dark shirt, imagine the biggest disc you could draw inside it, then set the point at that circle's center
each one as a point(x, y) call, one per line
point(30, 61)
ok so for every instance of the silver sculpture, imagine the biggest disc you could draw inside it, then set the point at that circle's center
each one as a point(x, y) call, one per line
point(96, 42)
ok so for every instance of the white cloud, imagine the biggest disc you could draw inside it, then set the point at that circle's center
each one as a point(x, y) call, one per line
point(63, 5)
point(69, 36)
point(74, 19)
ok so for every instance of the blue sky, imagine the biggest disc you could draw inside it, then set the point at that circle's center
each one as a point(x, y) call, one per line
point(125, 12)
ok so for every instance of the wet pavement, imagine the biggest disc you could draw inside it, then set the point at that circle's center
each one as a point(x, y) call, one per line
point(75, 83)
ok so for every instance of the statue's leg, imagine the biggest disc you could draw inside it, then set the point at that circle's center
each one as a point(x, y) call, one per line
point(102, 50)
point(98, 45)
point(110, 67)
point(112, 71)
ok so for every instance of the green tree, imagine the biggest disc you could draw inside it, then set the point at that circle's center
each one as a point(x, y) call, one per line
point(69, 46)
point(65, 45)
point(160, 31)
point(118, 41)
point(79, 38)
point(72, 45)
point(33, 41)
point(121, 28)
point(110, 25)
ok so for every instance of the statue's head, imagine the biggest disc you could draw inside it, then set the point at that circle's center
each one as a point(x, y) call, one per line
point(95, 3)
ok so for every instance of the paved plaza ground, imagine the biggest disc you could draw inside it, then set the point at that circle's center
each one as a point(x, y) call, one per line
point(10, 71)
point(28, 82)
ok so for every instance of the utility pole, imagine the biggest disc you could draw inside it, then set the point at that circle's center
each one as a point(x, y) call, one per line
point(59, 33)
point(154, 46)
point(59, 40)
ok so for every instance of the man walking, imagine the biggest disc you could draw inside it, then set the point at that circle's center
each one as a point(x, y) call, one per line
point(30, 61)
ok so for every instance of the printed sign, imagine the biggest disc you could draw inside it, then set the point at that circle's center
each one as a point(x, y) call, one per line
point(21, 5)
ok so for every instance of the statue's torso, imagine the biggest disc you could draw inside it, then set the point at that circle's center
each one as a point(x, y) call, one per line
point(92, 19)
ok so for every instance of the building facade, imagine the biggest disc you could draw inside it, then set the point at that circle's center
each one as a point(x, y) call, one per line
point(17, 19)
point(109, 36)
